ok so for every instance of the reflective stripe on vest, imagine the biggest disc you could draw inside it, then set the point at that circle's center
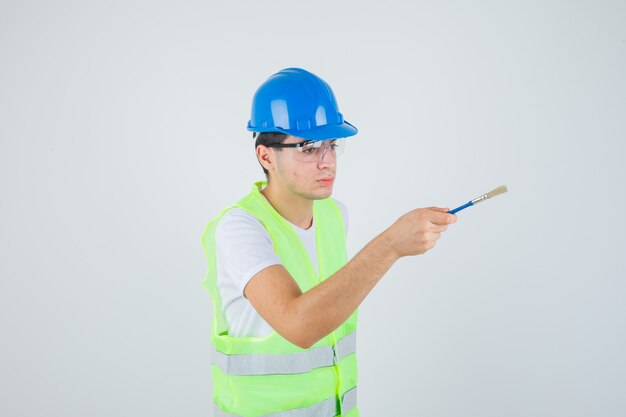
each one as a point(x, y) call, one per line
point(289, 363)
point(327, 408)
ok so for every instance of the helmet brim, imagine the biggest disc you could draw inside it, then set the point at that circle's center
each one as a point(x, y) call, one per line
point(325, 132)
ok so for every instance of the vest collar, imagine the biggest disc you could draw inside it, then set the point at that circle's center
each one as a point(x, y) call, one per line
point(256, 189)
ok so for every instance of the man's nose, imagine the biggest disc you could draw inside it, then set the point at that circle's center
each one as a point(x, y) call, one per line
point(328, 157)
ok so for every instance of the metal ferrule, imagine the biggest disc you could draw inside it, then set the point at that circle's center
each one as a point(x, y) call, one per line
point(479, 199)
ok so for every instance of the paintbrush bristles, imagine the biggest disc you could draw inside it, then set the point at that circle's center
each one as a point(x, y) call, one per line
point(500, 190)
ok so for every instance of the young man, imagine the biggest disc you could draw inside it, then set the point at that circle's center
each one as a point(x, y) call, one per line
point(285, 297)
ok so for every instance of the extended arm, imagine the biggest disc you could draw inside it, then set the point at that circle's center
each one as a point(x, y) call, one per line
point(305, 318)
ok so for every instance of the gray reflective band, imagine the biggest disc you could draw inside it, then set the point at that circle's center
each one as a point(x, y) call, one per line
point(348, 401)
point(326, 408)
point(270, 363)
point(345, 346)
point(285, 363)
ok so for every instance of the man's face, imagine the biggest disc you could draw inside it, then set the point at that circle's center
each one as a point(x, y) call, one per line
point(312, 180)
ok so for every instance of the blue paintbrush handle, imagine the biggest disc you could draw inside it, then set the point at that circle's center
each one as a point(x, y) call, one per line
point(461, 207)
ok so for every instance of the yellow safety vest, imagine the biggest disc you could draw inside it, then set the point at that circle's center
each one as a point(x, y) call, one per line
point(270, 376)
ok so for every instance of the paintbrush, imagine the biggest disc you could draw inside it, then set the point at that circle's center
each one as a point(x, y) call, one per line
point(500, 190)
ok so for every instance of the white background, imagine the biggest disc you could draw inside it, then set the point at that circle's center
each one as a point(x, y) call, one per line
point(122, 127)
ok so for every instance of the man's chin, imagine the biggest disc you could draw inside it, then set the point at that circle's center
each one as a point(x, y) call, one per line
point(325, 194)
point(320, 194)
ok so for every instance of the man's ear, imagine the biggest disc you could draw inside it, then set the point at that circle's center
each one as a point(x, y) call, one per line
point(265, 157)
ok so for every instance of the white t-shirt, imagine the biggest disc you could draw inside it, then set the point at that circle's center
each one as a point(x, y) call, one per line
point(244, 248)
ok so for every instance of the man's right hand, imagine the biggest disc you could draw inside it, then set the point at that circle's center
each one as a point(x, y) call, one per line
point(417, 231)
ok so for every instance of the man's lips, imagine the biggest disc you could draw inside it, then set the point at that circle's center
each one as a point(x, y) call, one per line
point(327, 180)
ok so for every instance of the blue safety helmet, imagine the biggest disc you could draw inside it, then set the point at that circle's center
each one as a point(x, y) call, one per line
point(298, 103)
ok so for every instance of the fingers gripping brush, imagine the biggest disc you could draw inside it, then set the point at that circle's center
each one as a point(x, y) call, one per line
point(500, 190)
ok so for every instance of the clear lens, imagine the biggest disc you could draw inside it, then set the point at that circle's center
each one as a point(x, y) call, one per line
point(314, 151)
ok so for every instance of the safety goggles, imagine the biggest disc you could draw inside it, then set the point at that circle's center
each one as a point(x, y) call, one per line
point(313, 150)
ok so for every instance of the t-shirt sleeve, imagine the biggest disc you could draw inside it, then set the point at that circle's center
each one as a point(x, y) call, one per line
point(243, 248)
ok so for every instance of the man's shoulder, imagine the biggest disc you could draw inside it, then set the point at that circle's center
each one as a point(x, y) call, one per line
point(343, 210)
point(239, 222)
point(240, 227)
point(339, 203)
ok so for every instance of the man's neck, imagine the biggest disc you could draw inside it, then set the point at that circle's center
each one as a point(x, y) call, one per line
point(293, 208)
